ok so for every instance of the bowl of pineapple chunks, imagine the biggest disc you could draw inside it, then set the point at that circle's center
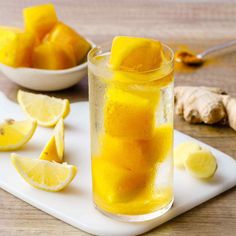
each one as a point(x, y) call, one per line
point(46, 55)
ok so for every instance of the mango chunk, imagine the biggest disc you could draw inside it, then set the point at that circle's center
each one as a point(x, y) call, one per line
point(116, 184)
point(201, 164)
point(126, 153)
point(128, 115)
point(160, 146)
point(15, 47)
point(40, 19)
point(135, 54)
point(63, 34)
point(52, 56)
point(182, 151)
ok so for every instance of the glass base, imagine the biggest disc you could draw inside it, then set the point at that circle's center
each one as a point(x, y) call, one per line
point(137, 218)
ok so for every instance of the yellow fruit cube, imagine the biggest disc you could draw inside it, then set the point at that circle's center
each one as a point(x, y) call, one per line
point(148, 91)
point(126, 153)
point(116, 184)
point(160, 146)
point(52, 56)
point(40, 19)
point(63, 34)
point(128, 115)
point(16, 47)
point(135, 54)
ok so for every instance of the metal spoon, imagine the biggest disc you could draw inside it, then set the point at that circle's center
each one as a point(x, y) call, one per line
point(189, 58)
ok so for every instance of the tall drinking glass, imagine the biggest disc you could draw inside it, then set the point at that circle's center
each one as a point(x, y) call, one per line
point(131, 125)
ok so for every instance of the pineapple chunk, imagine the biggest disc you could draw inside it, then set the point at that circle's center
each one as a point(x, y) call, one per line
point(52, 56)
point(182, 151)
point(62, 34)
point(201, 164)
point(126, 153)
point(40, 19)
point(116, 184)
point(128, 115)
point(135, 54)
point(160, 146)
point(15, 47)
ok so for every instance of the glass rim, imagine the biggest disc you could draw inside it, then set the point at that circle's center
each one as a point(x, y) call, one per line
point(99, 49)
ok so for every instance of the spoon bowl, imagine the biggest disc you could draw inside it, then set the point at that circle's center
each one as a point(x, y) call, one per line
point(46, 80)
point(188, 58)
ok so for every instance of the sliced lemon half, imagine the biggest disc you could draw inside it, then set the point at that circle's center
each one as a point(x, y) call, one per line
point(46, 110)
point(45, 175)
point(14, 134)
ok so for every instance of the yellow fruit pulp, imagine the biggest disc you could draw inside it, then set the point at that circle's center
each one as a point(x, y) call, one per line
point(136, 117)
point(16, 47)
point(135, 154)
point(63, 35)
point(45, 175)
point(53, 56)
point(135, 54)
point(125, 169)
point(116, 184)
point(148, 201)
point(46, 110)
point(40, 19)
point(14, 134)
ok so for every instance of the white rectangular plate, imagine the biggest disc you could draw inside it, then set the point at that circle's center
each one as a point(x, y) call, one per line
point(74, 205)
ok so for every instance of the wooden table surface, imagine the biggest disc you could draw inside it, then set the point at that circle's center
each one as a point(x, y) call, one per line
point(199, 24)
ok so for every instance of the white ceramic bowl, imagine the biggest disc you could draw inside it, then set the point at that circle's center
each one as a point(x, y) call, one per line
point(46, 80)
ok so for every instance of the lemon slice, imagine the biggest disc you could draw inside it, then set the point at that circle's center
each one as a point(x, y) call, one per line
point(46, 110)
point(201, 164)
point(135, 54)
point(182, 151)
point(54, 149)
point(45, 175)
point(14, 134)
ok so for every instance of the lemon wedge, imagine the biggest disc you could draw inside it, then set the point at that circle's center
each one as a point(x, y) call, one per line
point(45, 175)
point(182, 151)
point(54, 149)
point(14, 134)
point(46, 110)
point(201, 164)
point(59, 138)
point(135, 54)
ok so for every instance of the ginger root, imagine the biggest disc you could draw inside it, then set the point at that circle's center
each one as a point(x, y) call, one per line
point(207, 105)
point(230, 107)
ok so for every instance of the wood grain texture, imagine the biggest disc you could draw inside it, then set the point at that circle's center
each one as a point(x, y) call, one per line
point(199, 24)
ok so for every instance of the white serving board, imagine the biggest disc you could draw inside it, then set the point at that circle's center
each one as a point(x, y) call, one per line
point(74, 205)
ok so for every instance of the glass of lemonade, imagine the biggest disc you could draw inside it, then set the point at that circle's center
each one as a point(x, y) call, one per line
point(131, 125)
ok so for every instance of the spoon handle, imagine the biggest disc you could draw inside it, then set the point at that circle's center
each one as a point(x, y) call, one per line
point(217, 48)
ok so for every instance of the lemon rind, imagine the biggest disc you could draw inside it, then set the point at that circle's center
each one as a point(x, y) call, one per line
point(63, 114)
point(73, 171)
